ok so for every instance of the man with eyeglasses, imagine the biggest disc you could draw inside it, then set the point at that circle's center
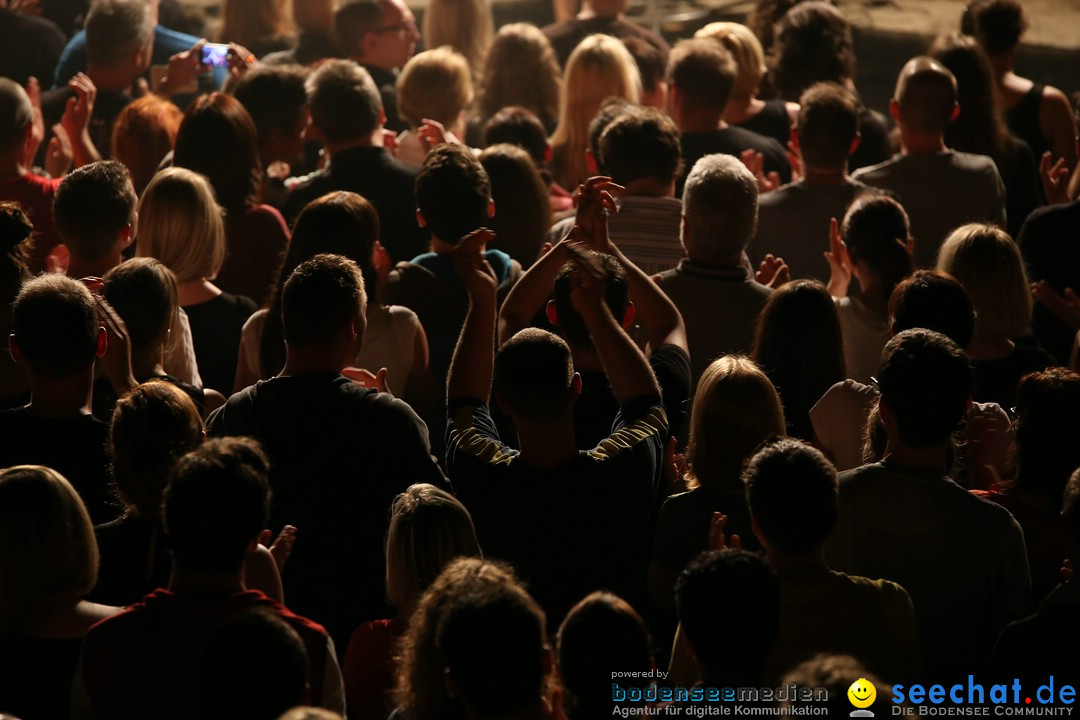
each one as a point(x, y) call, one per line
point(381, 35)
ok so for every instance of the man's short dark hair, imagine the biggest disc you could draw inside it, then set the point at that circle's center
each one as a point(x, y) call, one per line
point(92, 205)
point(728, 602)
point(996, 24)
point(518, 126)
point(792, 492)
point(216, 503)
point(611, 109)
point(925, 381)
point(116, 30)
point(274, 96)
point(54, 320)
point(933, 300)
point(642, 144)
point(16, 114)
point(651, 61)
point(320, 298)
point(828, 123)
point(616, 294)
point(345, 103)
point(453, 192)
point(703, 72)
point(533, 373)
point(354, 20)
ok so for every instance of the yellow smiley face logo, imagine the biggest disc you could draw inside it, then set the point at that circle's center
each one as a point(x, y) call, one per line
point(862, 693)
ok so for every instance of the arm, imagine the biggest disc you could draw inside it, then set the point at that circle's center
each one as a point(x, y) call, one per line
point(530, 292)
point(474, 358)
point(658, 315)
point(1058, 126)
point(76, 120)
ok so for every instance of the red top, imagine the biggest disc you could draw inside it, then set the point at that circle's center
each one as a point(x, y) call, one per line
point(35, 194)
point(369, 667)
point(256, 241)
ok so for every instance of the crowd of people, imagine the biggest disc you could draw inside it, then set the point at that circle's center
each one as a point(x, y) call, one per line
point(347, 380)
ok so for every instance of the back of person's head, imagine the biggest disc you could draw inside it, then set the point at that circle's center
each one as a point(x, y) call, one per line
point(247, 22)
point(703, 73)
point(764, 17)
point(642, 144)
point(54, 319)
point(434, 85)
point(813, 44)
point(144, 133)
point(16, 238)
point(602, 631)
point(321, 298)
point(986, 261)
point(736, 408)
point(453, 193)
point(1047, 425)
point(275, 98)
point(827, 125)
point(216, 504)
point(345, 103)
point(925, 383)
point(935, 301)
point(464, 25)
point(522, 197)
point(835, 673)
point(521, 70)
point(314, 16)
point(518, 126)
point(180, 224)
point(996, 24)
point(218, 139)
point(492, 639)
point(152, 427)
point(254, 665)
point(925, 96)
point(533, 377)
point(799, 344)
point(875, 229)
point(610, 110)
point(745, 50)
point(118, 29)
point(353, 20)
point(980, 127)
point(143, 293)
point(16, 115)
point(651, 63)
point(616, 295)
point(728, 602)
point(720, 208)
point(47, 548)
point(93, 205)
point(429, 528)
point(792, 492)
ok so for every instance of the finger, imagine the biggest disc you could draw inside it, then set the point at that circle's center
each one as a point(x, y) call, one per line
point(774, 178)
point(264, 538)
point(735, 542)
point(834, 236)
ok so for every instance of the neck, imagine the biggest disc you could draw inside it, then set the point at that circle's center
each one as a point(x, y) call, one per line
point(316, 359)
point(933, 459)
point(692, 121)
point(1002, 65)
point(80, 268)
point(871, 295)
point(228, 583)
point(742, 108)
point(913, 143)
point(148, 362)
point(62, 398)
point(588, 12)
point(547, 446)
point(196, 291)
point(109, 79)
point(825, 176)
point(785, 562)
point(649, 187)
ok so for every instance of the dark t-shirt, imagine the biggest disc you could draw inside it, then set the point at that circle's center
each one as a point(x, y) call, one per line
point(773, 122)
point(108, 105)
point(35, 675)
point(339, 454)
point(215, 332)
point(73, 447)
point(996, 380)
point(105, 397)
point(135, 560)
point(566, 34)
point(732, 140)
point(32, 47)
point(570, 530)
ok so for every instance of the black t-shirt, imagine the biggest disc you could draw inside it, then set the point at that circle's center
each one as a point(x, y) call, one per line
point(32, 47)
point(105, 397)
point(73, 447)
point(996, 380)
point(215, 332)
point(135, 560)
point(36, 675)
point(571, 530)
point(732, 140)
point(339, 454)
point(773, 121)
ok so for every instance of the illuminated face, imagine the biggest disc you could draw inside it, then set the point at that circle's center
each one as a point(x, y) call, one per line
point(862, 693)
point(394, 41)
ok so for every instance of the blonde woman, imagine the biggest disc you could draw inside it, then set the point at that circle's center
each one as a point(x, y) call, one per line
point(599, 68)
point(521, 71)
point(180, 224)
point(262, 26)
point(988, 264)
point(465, 25)
point(736, 408)
point(772, 118)
point(434, 85)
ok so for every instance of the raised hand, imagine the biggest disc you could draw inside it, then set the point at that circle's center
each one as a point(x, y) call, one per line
point(755, 163)
point(594, 199)
point(471, 267)
point(183, 70)
point(1055, 179)
point(116, 362)
point(282, 546)
point(240, 60)
point(773, 272)
point(433, 133)
point(37, 132)
point(59, 154)
point(718, 540)
point(365, 378)
point(839, 262)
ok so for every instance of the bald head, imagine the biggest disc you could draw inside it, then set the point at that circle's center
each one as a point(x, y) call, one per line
point(16, 114)
point(925, 99)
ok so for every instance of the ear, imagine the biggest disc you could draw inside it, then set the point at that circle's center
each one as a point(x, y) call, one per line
point(127, 236)
point(884, 412)
point(102, 343)
point(552, 313)
point(547, 153)
point(491, 208)
point(575, 385)
point(382, 116)
point(629, 314)
point(420, 219)
point(590, 162)
point(894, 109)
point(13, 348)
point(757, 530)
point(855, 143)
point(955, 111)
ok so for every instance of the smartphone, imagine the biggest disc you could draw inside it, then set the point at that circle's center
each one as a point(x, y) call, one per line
point(215, 55)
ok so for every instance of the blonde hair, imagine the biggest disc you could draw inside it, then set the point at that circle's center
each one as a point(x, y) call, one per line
point(429, 527)
point(180, 224)
point(522, 70)
point(745, 50)
point(600, 67)
point(249, 22)
point(47, 545)
point(464, 25)
point(986, 261)
point(736, 408)
point(434, 84)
